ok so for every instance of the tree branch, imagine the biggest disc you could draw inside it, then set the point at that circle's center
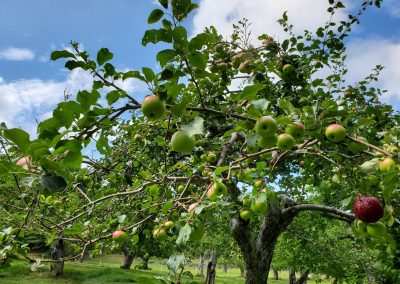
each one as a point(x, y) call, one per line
point(321, 208)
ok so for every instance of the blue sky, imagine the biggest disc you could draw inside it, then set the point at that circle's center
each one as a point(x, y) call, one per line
point(30, 84)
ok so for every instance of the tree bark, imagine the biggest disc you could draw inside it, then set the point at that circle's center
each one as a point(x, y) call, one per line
point(200, 266)
point(303, 277)
point(292, 276)
point(128, 259)
point(57, 253)
point(211, 273)
point(242, 272)
point(257, 250)
point(225, 268)
point(276, 274)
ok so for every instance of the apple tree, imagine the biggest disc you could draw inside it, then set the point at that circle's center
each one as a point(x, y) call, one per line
point(228, 125)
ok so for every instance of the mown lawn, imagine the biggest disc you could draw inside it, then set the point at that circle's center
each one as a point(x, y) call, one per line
point(106, 269)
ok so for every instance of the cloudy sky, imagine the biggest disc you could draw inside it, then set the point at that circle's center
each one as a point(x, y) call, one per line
point(31, 85)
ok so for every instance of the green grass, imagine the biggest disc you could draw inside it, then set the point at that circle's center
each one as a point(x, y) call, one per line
point(105, 269)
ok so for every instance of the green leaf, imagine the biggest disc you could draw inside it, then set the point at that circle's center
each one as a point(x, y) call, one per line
point(199, 41)
point(57, 54)
point(155, 36)
point(121, 218)
point(75, 229)
point(218, 171)
point(72, 160)
point(286, 106)
point(194, 127)
point(102, 145)
point(165, 56)
point(112, 97)
point(371, 166)
point(250, 92)
point(53, 183)
point(3, 168)
point(179, 35)
point(73, 64)
point(175, 262)
point(155, 16)
point(262, 105)
point(164, 3)
point(103, 55)
point(184, 235)
point(87, 99)
point(134, 239)
point(180, 8)
point(198, 59)
point(178, 109)
point(148, 74)
point(18, 137)
point(133, 74)
point(65, 117)
point(167, 206)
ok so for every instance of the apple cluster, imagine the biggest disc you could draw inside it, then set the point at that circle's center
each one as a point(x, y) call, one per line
point(266, 127)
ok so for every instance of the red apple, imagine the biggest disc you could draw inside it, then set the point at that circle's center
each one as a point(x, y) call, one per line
point(368, 209)
point(119, 236)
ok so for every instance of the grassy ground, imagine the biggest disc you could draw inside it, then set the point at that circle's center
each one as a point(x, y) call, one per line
point(106, 269)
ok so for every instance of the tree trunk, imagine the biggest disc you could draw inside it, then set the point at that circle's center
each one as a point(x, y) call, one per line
point(276, 274)
point(200, 266)
point(225, 268)
point(128, 259)
point(335, 281)
point(292, 276)
point(145, 262)
point(57, 253)
point(303, 277)
point(258, 250)
point(242, 272)
point(212, 263)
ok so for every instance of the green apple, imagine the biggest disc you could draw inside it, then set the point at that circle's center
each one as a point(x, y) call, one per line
point(268, 141)
point(159, 234)
point(153, 107)
point(216, 189)
point(169, 224)
point(259, 206)
point(244, 214)
point(119, 236)
point(180, 188)
point(181, 142)
point(258, 183)
point(203, 157)
point(197, 232)
point(387, 164)
point(246, 203)
point(288, 69)
point(335, 133)
point(237, 59)
point(266, 126)
point(246, 67)
point(376, 230)
point(211, 158)
point(285, 142)
point(137, 137)
point(356, 147)
point(296, 129)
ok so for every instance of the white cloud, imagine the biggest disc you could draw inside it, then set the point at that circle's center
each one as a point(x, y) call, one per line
point(263, 14)
point(392, 6)
point(365, 54)
point(24, 101)
point(16, 54)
